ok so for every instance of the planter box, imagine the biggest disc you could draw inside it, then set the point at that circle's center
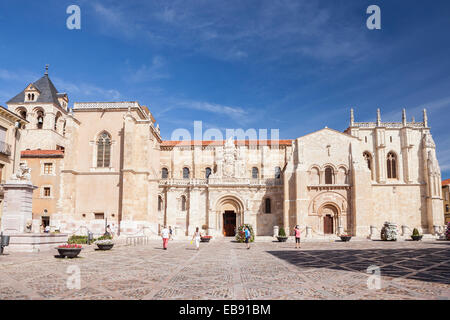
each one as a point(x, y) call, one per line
point(417, 238)
point(69, 252)
point(282, 239)
point(105, 246)
point(345, 238)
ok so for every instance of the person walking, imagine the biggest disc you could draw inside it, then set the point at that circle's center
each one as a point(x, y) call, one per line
point(165, 234)
point(297, 236)
point(196, 238)
point(247, 236)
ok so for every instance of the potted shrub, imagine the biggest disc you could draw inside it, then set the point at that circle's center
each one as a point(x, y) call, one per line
point(105, 244)
point(345, 237)
point(205, 238)
point(69, 250)
point(240, 235)
point(282, 235)
point(416, 236)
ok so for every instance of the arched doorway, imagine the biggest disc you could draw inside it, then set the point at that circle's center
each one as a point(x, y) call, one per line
point(230, 215)
point(329, 214)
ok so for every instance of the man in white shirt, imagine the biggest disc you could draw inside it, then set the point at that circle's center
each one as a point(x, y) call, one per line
point(165, 234)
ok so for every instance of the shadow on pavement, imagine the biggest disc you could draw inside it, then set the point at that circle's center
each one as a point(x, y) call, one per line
point(428, 264)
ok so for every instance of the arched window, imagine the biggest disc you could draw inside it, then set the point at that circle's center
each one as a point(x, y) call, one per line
point(207, 173)
point(267, 205)
point(185, 173)
point(391, 166)
point(40, 119)
point(104, 150)
point(255, 173)
point(29, 97)
point(277, 172)
point(164, 173)
point(314, 176)
point(160, 203)
point(183, 203)
point(328, 175)
point(55, 127)
point(64, 128)
point(32, 97)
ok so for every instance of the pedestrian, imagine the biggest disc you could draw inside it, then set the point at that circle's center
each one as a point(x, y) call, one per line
point(196, 238)
point(170, 233)
point(247, 236)
point(297, 236)
point(108, 232)
point(165, 234)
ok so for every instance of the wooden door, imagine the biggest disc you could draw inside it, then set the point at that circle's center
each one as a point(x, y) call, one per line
point(229, 223)
point(328, 224)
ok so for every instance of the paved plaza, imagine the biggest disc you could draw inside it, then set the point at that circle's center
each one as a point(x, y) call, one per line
point(224, 269)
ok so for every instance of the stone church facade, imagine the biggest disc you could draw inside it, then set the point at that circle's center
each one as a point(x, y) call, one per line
point(113, 167)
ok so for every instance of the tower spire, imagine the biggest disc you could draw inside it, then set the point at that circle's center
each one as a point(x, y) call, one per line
point(425, 118)
point(46, 70)
point(352, 118)
point(404, 117)
point(378, 117)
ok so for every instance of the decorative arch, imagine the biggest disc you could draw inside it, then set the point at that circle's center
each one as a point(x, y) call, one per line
point(39, 114)
point(225, 206)
point(333, 204)
point(314, 175)
point(329, 173)
point(56, 126)
point(342, 175)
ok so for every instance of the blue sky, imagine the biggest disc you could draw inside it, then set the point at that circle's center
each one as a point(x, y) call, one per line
point(296, 66)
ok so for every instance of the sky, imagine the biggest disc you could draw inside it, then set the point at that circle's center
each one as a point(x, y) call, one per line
point(292, 65)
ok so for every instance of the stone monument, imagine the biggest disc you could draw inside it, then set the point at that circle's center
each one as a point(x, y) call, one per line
point(17, 216)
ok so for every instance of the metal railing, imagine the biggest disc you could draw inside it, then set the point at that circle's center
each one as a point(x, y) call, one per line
point(137, 240)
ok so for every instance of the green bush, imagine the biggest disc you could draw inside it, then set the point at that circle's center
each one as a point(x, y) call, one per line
point(77, 240)
point(416, 232)
point(281, 233)
point(104, 237)
point(240, 236)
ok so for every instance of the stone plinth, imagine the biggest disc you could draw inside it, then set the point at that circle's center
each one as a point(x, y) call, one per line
point(32, 242)
point(17, 206)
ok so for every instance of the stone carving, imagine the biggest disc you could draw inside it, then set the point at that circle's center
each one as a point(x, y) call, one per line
point(433, 165)
point(389, 232)
point(24, 173)
point(428, 141)
point(229, 158)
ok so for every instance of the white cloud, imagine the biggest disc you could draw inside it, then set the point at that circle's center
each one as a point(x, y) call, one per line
point(155, 71)
point(231, 30)
point(87, 90)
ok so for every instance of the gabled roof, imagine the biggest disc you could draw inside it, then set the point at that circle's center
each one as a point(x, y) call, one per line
point(48, 92)
point(333, 131)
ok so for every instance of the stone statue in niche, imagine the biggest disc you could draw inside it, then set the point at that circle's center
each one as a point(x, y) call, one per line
point(428, 141)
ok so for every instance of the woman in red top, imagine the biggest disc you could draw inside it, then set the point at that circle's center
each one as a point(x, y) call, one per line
point(297, 237)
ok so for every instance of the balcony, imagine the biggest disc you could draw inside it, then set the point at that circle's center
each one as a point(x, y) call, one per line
point(5, 148)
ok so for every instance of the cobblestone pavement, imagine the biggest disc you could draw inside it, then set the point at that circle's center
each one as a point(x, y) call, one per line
point(227, 270)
